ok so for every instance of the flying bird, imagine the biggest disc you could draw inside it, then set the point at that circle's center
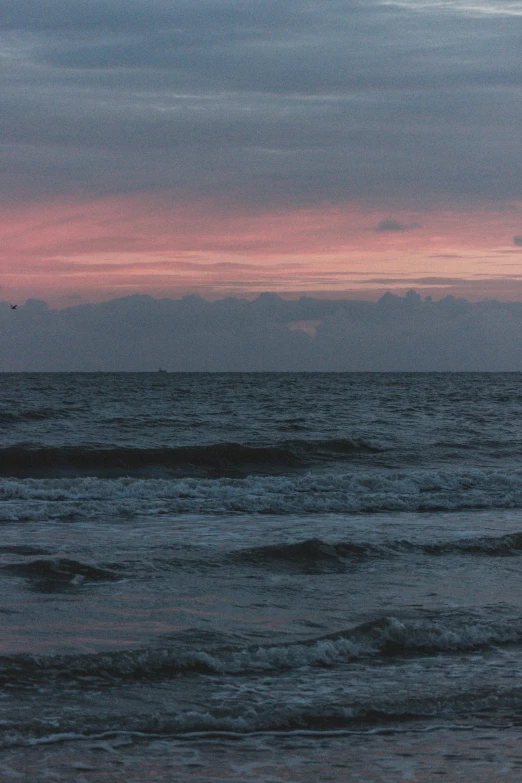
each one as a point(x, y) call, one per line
point(13, 307)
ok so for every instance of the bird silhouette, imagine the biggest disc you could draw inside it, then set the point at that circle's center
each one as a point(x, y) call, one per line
point(13, 307)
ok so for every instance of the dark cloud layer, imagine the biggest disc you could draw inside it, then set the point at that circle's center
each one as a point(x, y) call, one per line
point(388, 224)
point(263, 100)
point(139, 333)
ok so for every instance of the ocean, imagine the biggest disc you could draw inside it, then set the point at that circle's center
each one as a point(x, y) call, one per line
point(261, 577)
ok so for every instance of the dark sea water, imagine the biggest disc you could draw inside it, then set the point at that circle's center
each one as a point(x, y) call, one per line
point(261, 577)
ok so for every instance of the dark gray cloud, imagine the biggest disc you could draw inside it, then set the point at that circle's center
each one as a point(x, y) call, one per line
point(390, 225)
point(517, 240)
point(269, 333)
point(264, 99)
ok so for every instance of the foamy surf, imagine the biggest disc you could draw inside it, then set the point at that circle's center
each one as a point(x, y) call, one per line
point(325, 492)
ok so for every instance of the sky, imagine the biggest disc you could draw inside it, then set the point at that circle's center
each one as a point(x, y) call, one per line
point(332, 148)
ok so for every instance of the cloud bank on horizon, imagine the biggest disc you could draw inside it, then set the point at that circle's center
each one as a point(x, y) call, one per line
point(222, 146)
point(267, 334)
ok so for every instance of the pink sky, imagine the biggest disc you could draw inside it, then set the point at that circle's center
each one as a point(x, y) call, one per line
point(66, 252)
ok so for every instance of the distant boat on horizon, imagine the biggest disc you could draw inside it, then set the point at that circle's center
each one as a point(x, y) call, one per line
point(160, 369)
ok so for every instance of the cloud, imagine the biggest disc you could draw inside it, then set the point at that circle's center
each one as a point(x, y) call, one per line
point(390, 225)
point(267, 334)
point(446, 255)
point(517, 240)
point(268, 100)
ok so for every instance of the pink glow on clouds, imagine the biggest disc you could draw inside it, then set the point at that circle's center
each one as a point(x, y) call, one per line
point(64, 251)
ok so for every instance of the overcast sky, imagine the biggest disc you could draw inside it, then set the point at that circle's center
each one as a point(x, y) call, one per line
point(220, 147)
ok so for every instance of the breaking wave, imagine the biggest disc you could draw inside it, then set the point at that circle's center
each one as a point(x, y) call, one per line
point(384, 637)
point(302, 493)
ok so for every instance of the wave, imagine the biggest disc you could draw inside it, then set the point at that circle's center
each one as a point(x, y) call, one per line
point(306, 718)
point(217, 459)
point(315, 552)
point(377, 639)
point(22, 549)
point(51, 574)
point(310, 553)
point(307, 685)
point(494, 546)
point(303, 493)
